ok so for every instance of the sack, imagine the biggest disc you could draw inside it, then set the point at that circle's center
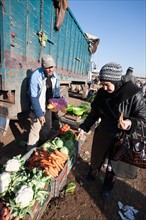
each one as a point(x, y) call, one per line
point(130, 150)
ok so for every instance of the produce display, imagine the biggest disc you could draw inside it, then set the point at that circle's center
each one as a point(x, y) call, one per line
point(23, 181)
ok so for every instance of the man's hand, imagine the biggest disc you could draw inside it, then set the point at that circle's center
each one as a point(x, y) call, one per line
point(42, 120)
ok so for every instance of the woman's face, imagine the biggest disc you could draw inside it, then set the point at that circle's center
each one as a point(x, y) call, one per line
point(108, 86)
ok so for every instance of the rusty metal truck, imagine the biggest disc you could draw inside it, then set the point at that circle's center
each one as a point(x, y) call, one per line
point(31, 28)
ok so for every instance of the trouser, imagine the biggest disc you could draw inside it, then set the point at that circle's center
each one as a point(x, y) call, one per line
point(38, 132)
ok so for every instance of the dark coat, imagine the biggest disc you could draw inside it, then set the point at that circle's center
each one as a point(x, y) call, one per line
point(129, 77)
point(128, 99)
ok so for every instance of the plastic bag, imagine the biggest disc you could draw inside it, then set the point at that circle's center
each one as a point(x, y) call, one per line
point(57, 104)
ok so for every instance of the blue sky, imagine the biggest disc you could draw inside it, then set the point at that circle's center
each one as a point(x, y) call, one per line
point(121, 27)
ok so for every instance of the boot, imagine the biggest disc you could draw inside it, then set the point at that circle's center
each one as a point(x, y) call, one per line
point(92, 174)
point(108, 185)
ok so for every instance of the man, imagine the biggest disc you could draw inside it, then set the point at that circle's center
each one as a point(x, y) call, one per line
point(128, 76)
point(43, 85)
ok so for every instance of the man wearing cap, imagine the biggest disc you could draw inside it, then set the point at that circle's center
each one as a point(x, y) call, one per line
point(43, 85)
point(115, 97)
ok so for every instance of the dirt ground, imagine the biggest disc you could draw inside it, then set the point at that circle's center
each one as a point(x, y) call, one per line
point(86, 202)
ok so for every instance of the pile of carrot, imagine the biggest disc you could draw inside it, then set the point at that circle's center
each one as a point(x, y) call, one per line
point(51, 162)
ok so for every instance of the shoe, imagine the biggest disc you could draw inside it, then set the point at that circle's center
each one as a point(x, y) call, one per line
point(92, 174)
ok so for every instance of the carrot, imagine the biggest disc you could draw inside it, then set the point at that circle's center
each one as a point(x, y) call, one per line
point(59, 164)
point(52, 171)
point(43, 154)
point(61, 154)
point(46, 162)
point(61, 160)
point(56, 165)
point(54, 156)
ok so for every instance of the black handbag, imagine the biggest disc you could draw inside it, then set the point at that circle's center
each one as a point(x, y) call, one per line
point(130, 150)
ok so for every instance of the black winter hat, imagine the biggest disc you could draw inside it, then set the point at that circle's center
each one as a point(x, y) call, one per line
point(111, 72)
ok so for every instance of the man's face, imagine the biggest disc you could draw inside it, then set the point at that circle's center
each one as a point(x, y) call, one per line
point(49, 71)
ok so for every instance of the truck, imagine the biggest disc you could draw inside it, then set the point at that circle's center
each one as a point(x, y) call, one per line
point(28, 30)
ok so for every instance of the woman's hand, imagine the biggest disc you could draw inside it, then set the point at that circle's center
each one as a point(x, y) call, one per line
point(81, 135)
point(124, 124)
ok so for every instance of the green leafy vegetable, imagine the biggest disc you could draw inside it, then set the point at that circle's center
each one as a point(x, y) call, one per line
point(70, 188)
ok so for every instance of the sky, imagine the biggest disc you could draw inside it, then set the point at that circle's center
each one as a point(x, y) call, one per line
point(121, 27)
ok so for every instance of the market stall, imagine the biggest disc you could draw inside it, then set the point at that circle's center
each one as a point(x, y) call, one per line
point(28, 183)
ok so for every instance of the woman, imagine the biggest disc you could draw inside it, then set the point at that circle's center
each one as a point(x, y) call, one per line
point(111, 100)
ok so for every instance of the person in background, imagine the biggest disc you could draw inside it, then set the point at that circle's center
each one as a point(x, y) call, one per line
point(144, 89)
point(111, 100)
point(43, 85)
point(129, 76)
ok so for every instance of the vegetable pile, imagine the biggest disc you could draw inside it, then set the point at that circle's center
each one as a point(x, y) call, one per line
point(51, 162)
point(22, 183)
point(20, 188)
